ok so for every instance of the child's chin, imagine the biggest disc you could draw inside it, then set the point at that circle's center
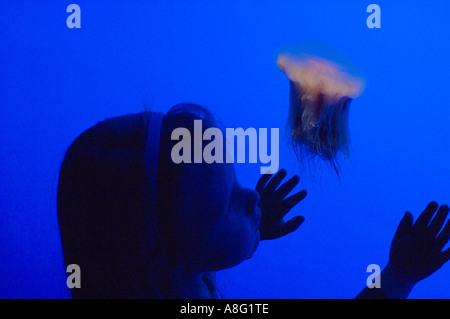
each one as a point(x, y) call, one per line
point(257, 239)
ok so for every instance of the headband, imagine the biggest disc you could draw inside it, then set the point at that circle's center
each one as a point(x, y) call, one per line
point(152, 150)
point(151, 167)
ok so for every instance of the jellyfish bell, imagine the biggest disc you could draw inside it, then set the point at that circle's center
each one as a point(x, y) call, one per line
point(323, 82)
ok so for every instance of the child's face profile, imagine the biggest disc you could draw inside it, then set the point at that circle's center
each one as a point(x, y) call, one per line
point(217, 219)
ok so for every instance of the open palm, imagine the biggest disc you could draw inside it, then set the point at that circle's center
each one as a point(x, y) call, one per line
point(274, 206)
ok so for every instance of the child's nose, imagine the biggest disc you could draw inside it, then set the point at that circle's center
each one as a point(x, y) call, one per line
point(256, 197)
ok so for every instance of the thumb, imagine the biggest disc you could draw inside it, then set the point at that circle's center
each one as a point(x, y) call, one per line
point(292, 224)
point(404, 227)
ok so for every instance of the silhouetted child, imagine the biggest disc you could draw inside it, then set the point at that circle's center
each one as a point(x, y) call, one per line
point(141, 226)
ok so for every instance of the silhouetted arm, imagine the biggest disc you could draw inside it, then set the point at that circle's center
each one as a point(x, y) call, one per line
point(416, 253)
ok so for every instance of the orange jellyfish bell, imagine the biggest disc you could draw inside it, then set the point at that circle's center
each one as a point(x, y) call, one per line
point(323, 83)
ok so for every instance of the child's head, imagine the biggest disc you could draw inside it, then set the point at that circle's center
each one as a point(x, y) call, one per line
point(206, 220)
point(210, 220)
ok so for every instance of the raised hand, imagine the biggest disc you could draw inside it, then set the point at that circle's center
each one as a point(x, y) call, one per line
point(417, 249)
point(416, 253)
point(274, 206)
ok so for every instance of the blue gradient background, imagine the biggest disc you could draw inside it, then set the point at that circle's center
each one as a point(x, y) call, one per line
point(56, 82)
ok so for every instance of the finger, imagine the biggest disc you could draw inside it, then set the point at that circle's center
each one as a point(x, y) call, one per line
point(287, 187)
point(287, 227)
point(444, 236)
point(293, 200)
point(262, 182)
point(275, 181)
point(424, 218)
point(292, 224)
point(404, 227)
point(438, 221)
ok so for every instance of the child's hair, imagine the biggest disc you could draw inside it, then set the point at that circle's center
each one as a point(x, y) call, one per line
point(100, 204)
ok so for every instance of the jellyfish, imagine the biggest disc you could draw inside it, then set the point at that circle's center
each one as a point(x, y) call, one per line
point(323, 82)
